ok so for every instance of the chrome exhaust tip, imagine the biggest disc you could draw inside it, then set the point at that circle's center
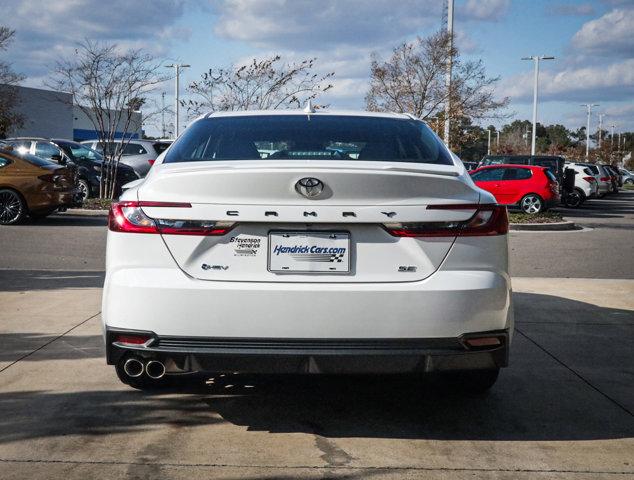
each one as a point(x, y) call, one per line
point(155, 369)
point(133, 367)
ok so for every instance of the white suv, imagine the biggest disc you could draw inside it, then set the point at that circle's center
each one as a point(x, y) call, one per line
point(358, 245)
point(586, 184)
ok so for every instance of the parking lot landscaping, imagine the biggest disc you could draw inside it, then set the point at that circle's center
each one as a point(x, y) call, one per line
point(563, 409)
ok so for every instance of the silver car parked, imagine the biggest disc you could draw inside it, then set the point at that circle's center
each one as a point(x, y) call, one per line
point(138, 154)
point(628, 176)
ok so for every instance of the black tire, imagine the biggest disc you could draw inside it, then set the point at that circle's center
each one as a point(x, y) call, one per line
point(12, 207)
point(84, 189)
point(474, 381)
point(532, 204)
point(574, 199)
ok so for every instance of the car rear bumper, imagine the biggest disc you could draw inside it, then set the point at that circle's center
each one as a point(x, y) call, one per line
point(169, 303)
point(186, 355)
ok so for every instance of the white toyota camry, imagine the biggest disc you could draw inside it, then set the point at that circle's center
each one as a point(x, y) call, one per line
point(307, 242)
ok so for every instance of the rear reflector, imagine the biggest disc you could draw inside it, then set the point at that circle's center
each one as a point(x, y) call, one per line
point(129, 217)
point(151, 162)
point(132, 339)
point(483, 342)
point(487, 220)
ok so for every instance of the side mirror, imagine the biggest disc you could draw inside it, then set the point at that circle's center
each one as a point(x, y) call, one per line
point(59, 159)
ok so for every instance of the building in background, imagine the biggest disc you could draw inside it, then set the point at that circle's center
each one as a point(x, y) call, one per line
point(51, 114)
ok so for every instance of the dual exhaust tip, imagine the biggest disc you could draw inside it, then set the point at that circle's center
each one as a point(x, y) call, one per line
point(134, 368)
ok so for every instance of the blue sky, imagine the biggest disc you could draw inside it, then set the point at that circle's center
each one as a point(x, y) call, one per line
point(592, 40)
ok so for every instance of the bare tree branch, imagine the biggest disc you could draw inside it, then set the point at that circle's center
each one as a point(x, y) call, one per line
point(110, 87)
point(412, 81)
point(259, 85)
point(9, 97)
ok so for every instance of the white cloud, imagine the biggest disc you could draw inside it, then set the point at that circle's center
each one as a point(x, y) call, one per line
point(611, 82)
point(311, 25)
point(484, 9)
point(610, 34)
point(46, 29)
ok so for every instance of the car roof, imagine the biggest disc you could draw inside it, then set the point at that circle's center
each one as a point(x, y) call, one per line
point(341, 113)
point(118, 140)
point(512, 165)
point(29, 138)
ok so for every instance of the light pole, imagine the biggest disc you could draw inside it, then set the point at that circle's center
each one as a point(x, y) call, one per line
point(497, 144)
point(177, 67)
point(449, 67)
point(589, 107)
point(162, 114)
point(612, 136)
point(489, 141)
point(536, 59)
point(601, 115)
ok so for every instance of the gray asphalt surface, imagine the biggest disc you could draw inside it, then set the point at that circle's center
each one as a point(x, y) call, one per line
point(564, 409)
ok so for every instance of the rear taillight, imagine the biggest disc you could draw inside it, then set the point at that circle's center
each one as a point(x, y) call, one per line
point(487, 220)
point(554, 187)
point(129, 217)
point(605, 179)
point(590, 179)
point(56, 180)
point(151, 162)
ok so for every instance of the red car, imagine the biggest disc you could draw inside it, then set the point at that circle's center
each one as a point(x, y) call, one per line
point(533, 189)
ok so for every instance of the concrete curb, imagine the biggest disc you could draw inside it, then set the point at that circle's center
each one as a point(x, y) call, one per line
point(84, 212)
point(544, 227)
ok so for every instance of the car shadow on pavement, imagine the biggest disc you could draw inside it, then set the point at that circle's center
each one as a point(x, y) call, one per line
point(25, 280)
point(616, 206)
point(551, 391)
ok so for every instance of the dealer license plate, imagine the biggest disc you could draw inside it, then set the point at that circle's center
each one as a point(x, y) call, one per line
point(297, 252)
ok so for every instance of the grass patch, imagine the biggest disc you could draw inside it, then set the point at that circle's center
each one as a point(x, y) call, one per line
point(96, 204)
point(544, 217)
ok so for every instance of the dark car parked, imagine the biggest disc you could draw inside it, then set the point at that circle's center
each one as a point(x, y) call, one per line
point(91, 159)
point(87, 163)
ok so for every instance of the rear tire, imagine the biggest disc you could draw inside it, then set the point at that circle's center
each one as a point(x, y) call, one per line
point(574, 199)
point(84, 190)
point(12, 207)
point(532, 204)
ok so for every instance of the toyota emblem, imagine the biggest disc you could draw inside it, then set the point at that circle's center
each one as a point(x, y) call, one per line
point(309, 187)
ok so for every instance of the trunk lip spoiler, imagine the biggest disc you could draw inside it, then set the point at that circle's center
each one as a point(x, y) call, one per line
point(416, 168)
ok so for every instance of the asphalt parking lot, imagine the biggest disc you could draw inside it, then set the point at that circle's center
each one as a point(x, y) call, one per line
point(564, 409)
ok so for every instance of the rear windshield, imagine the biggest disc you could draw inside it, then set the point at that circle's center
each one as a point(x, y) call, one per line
point(304, 137)
point(550, 175)
point(32, 159)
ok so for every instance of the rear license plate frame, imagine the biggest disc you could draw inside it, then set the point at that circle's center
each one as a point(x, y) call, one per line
point(345, 260)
